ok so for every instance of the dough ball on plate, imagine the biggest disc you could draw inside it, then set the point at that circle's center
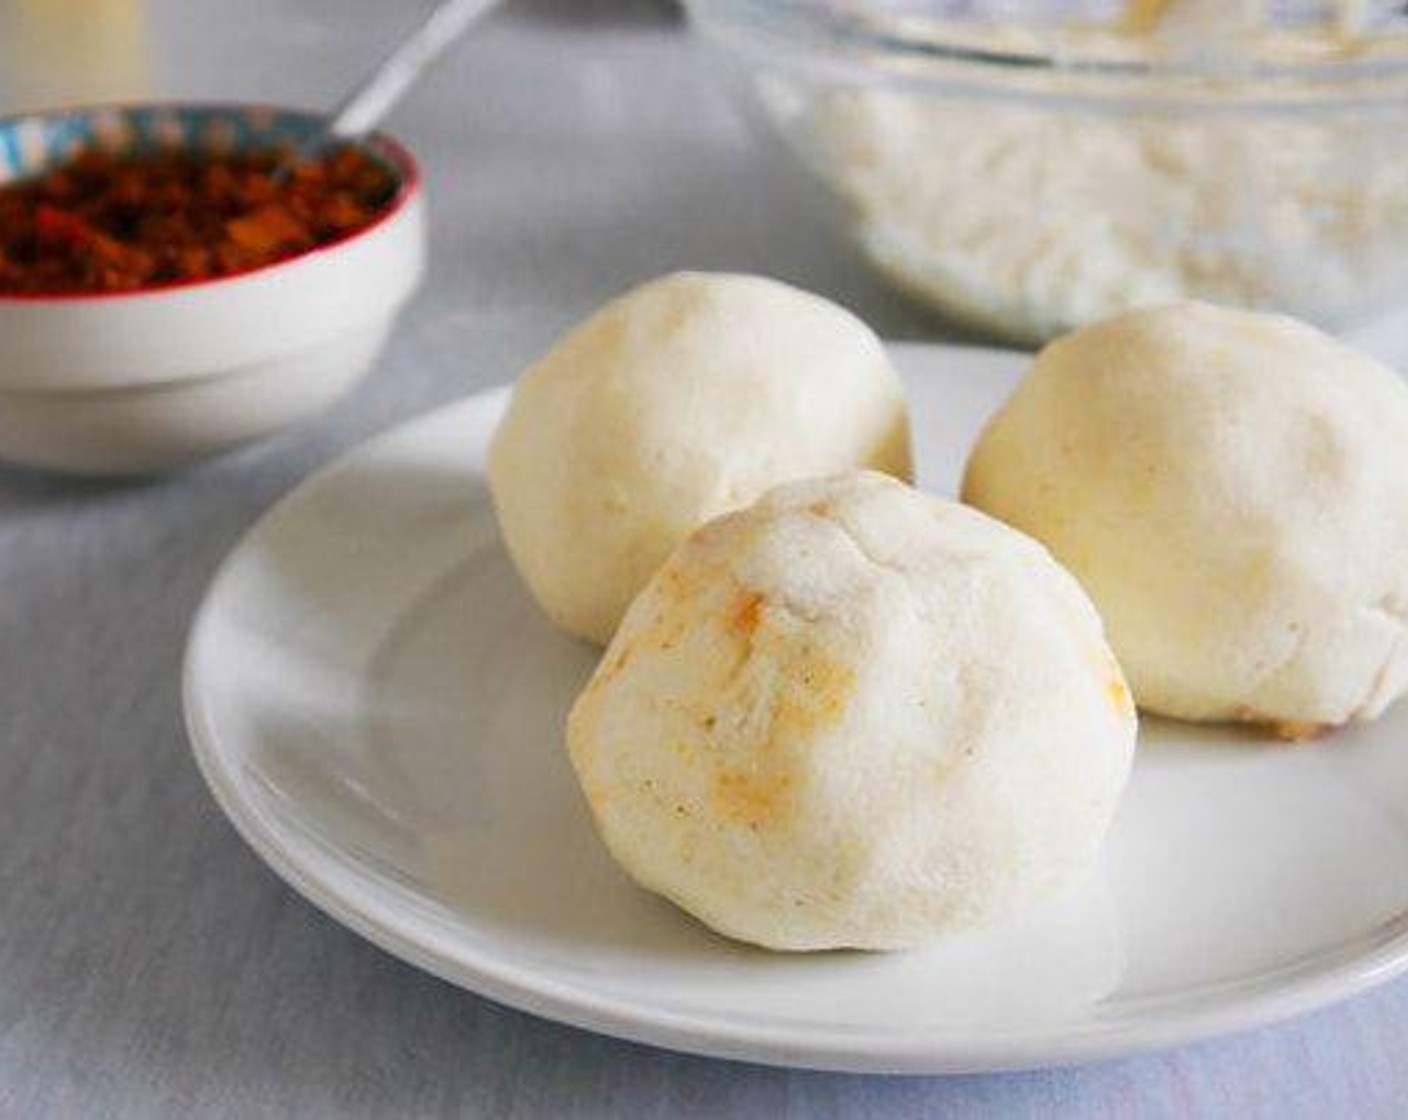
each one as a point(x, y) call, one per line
point(1232, 491)
point(682, 399)
point(853, 715)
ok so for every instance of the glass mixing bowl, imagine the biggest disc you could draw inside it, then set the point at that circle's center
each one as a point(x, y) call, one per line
point(1026, 167)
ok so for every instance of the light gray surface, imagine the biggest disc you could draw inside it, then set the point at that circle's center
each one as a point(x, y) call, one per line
point(149, 965)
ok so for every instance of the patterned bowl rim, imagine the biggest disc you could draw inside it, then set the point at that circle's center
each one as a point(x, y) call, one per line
point(392, 152)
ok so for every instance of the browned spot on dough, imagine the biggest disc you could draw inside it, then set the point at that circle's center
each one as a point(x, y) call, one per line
point(666, 628)
point(1297, 730)
point(623, 658)
point(809, 694)
point(1118, 692)
point(674, 590)
point(816, 697)
point(746, 612)
point(821, 509)
point(672, 580)
point(1289, 730)
point(748, 798)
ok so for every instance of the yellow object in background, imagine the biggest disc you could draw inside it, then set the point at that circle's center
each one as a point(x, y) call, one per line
point(66, 52)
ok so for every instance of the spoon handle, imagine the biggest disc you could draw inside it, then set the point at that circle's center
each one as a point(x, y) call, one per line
point(383, 87)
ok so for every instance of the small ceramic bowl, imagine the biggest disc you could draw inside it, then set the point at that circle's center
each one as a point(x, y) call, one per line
point(135, 382)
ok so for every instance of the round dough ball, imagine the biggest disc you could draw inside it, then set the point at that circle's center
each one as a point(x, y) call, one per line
point(1232, 491)
point(853, 715)
point(682, 399)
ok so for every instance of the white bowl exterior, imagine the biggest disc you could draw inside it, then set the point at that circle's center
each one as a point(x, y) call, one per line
point(153, 427)
point(217, 327)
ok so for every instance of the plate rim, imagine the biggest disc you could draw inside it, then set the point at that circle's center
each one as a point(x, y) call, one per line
point(784, 1045)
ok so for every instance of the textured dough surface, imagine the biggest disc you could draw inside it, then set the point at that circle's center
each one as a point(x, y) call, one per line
point(1232, 491)
point(853, 715)
point(686, 397)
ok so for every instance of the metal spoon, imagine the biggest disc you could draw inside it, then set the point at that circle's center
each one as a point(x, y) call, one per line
point(372, 98)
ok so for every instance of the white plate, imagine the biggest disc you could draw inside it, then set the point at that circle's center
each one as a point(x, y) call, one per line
point(377, 705)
